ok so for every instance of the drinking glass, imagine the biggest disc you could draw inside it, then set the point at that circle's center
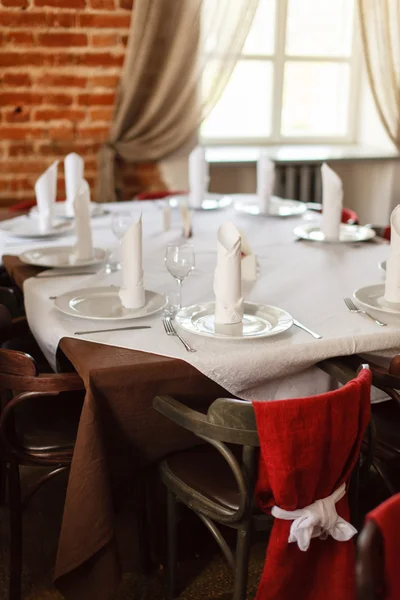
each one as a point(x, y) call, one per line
point(179, 260)
point(120, 223)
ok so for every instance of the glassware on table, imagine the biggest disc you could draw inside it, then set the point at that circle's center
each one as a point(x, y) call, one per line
point(179, 260)
point(120, 223)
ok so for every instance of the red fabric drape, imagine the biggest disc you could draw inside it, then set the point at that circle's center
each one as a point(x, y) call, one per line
point(387, 517)
point(309, 447)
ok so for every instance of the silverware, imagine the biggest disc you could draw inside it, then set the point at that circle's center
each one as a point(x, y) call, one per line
point(170, 330)
point(116, 329)
point(300, 326)
point(69, 274)
point(353, 308)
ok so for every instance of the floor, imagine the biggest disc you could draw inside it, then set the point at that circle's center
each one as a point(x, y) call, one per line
point(206, 575)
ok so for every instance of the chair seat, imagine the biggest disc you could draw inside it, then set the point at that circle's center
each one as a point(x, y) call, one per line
point(205, 471)
point(386, 416)
point(49, 422)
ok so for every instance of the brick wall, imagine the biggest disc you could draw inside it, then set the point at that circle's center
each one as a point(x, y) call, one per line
point(60, 62)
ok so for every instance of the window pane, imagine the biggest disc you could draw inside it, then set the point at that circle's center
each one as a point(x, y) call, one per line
point(315, 99)
point(319, 27)
point(244, 109)
point(261, 38)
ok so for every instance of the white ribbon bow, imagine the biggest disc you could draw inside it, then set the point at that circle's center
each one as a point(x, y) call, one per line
point(319, 519)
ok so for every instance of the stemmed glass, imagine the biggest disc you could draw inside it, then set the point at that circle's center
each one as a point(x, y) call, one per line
point(120, 223)
point(179, 260)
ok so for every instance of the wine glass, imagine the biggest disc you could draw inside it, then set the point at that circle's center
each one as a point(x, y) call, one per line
point(120, 223)
point(179, 260)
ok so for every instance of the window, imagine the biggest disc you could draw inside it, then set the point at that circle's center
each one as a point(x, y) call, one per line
point(296, 79)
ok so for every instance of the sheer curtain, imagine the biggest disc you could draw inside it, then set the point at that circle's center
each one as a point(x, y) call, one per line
point(180, 56)
point(380, 32)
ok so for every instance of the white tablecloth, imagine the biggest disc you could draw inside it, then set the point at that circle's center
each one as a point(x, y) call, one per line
point(309, 280)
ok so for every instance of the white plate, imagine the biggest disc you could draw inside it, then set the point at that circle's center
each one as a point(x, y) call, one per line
point(23, 227)
point(258, 321)
point(62, 256)
point(96, 210)
point(348, 233)
point(103, 303)
point(371, 299)
point(279, 207)
point(210, 202)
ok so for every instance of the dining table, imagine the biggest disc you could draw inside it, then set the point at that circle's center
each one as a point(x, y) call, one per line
point(120, 435)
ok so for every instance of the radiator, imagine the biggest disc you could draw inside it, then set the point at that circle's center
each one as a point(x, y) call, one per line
point(299, 181)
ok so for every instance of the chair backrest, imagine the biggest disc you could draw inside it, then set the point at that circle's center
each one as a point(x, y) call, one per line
point(378, 573)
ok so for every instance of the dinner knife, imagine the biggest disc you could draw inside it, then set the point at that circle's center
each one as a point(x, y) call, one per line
point(117, 329)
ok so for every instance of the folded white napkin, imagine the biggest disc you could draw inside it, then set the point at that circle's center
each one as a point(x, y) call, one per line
point(227, 277)
point(265, 181)
point(392, 283)
point(198, 177)
point(84, 245)
point(319, 519)
point(46, 192)
point(73, 170)
point(132, 290)
point(332, 203)
point(249, 260)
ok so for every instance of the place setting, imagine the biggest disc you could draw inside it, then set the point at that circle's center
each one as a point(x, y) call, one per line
point(264, 203)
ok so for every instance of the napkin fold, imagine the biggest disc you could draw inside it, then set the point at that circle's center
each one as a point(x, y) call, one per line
point(73, 170)
point(227, 276)
point(265, 181)
point(198, 176)
point(84, 244)
point(249, 260)
point(332, 203)
point(392, 283)
point(132, 292)
point(46, 191)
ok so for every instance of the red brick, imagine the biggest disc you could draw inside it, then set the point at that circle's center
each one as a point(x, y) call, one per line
point(16, 79)
point(21, 133)
point(62, 40)
point(58, 19)
point(101, 60)
point(102, 4)
point(22, 38)
point(18, 116)
point(90, 133)
point(107, 81)
point(61, 3)
point(26, 59)
point(96, 99)
point(61, 80)
point(60, 148)
point(124, 39)
point(21, 184)
point(20, 149)
point(23, 19)
point(62, 133)
point(104, 39)
point(101, 114)
point(63, 99)
point(16, 3)
point(19, 98)
point(127, 4)
point(106, 21)
point(49, 114)
point(27, 167)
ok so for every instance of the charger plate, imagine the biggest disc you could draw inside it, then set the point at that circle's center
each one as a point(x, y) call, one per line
point(103, 303)
point(210, 202)
point(259, 321)
point(348, 233)
point(95, 210)
point(371, 299)
point(24, 227)
point(60, 256)
point(279, 207)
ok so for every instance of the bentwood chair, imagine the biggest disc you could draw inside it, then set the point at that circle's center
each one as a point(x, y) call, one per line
point(378, 575)
point(39, 416)
point(217, 480)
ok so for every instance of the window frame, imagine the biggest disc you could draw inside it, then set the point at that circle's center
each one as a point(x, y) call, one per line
point(278, 60)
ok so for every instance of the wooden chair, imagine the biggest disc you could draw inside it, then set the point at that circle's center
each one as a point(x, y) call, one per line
point(217, 480)
point(39, 416)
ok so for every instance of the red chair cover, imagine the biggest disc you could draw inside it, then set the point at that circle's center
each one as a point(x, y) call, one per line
point(349, 216)
point(386, 233)
point(387, 517)
point(157, 195)
point(309, 447)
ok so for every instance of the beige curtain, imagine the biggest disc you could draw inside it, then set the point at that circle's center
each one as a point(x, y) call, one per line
point(180, 56)
point(380, 32)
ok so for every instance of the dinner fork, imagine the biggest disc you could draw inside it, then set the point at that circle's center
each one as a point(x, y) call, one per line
point(170, 330)
point(353, 308)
